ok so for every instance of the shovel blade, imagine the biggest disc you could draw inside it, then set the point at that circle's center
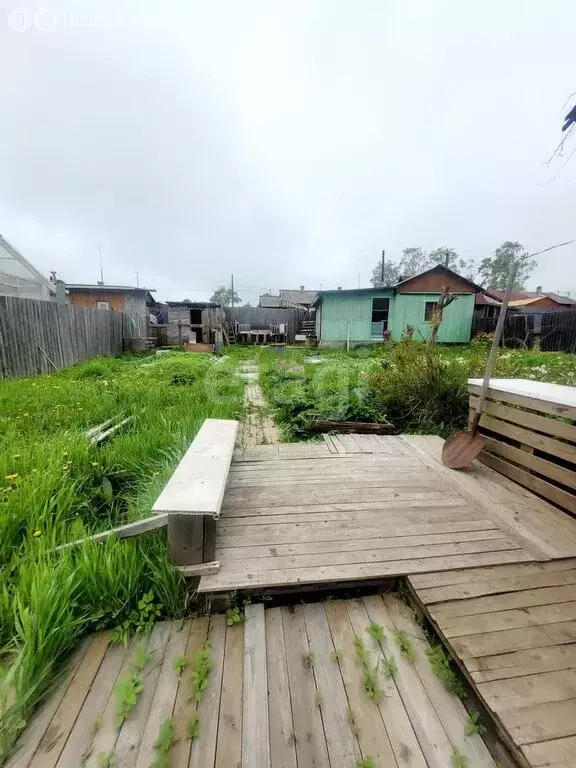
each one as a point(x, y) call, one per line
point(461, 449)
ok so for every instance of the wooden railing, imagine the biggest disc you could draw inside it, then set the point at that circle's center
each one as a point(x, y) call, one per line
point(530, 430)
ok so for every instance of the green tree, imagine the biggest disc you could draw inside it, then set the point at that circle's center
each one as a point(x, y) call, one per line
point(494, 270)
point(413, 261)
point(391, 274)
point(223, 296)
point(450, 259)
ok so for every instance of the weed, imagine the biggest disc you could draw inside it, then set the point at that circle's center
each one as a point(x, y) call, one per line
point(440, 663)
point(164, 744)
point(139, 621)
point(401, 590)
point(366, 762)
point(106, 760)
point(405, 646)
point(351, 717)
point(201, 668)
point(127, 692)
point(96, 725)
point(369, 673)
point(376, 631)
point(390, 667)
point(457, 759)
point(234, 616)
point(474, 725)
point(308, 660)
point(336, 656)
point(318, 700)
point(141, 658)
point(193, 728)
point(180, 664)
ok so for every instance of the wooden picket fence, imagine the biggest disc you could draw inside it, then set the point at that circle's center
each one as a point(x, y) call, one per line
point(39, 336)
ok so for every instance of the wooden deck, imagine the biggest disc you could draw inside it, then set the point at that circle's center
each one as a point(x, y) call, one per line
point(370, 507)
point(513, 629)
point(278, 697)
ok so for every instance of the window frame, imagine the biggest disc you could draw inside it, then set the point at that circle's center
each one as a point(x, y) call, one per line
point(429, 308)
point(380, 314)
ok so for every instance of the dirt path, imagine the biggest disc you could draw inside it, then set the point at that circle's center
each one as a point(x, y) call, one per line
point(258, 428)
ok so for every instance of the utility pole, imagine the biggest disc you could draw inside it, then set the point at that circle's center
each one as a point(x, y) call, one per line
point(358, 281)
point(382, 267)
point(232, 290)
point(137, 280)
point(101, 267)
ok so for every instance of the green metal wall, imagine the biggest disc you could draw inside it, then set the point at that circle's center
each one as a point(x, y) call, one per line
point(356, 308)
point(337, 310)
point(409, 310)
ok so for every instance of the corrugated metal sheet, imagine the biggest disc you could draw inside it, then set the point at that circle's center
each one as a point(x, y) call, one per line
point(409, 309)
point(349, 315)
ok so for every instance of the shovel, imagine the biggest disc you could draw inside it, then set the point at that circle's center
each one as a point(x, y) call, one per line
point(462, 448)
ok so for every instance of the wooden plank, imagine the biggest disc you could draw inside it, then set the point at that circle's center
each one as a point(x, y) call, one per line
point(82, 733)
point(529, 690)
point(54, 740)
point(122, 531)
point(255, 724)
point(540, 615)
point(285, 483)
point(309, 734)
point(203, 749)
point(534, 404)
point(343, 748)
point(458, 592)
point(449, 708)
point(32, 736)
point(198, 483)
point(229, 579)
point(528, 419)
point(185, 539)
point(503, 602)
point(132, 730)
point(441, 579)
point(549, 445)
point(543, 467)
point(520, 663)
point(183, 709)
point(316, 547)
point(372, 735)
point(554, 720)
point(553, 754)
point(234, 516)
point(104, 738)
point(509, 640)
point(162, 704)
point(229, 742)
point(429, 730)
point(407, 750)
point(329, 443)
point(202, 569)
point(535, 484)
point(282, 744)
point(372, 555)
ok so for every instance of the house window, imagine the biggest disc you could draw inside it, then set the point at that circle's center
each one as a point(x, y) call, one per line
point(429, 311)
point(380, 311)
point(195, 317)
point(102, 305)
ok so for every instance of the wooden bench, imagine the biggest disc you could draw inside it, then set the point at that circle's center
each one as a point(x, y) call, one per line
point(192, 498)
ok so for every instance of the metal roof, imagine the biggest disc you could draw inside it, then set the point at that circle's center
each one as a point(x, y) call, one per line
point(103, 287)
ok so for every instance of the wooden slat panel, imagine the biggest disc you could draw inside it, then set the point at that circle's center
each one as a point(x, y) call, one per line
point(514, 640)
point(546, 468)
point(520, 663)
point(552, 754)
point(503, 620)
point(529, 690)
point(549, 445)
point(503, 602)
point(533, 404)
point(472, 575)
point(540, 722)
point(255, 727)
point(527, 419)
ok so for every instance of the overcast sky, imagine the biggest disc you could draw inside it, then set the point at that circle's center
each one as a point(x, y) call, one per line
point(287, 141)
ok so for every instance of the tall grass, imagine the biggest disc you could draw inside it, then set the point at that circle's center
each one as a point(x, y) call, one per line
point(56, 487)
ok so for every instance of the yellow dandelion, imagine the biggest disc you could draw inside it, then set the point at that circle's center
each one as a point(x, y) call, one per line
point(37, 533)
point(95, 464)
point(11, 477)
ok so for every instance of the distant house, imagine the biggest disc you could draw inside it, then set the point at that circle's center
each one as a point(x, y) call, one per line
point(288, 298)
point(19, 278)
point(135, 302)
point(361, 316)
point(489, 301)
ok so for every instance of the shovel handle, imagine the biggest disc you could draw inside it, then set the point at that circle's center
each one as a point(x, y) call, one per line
point(494, 348)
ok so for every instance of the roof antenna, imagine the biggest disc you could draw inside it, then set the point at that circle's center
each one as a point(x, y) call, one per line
point(101, 267)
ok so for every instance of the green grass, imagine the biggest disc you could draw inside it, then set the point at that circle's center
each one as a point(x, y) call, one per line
point(163, 744)
point(55, 487)
point(404, 644)
point(201, 669)
point(369, 674)
point(376, 631)
point(440, 663)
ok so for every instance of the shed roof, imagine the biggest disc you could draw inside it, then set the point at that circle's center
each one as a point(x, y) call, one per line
point(14, 255)
point(194, 304)
point(298, 297)
point(104, 287)
point(519, 295)
point(441, 269)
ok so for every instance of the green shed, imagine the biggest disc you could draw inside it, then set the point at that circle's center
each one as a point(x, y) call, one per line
point(362, 315)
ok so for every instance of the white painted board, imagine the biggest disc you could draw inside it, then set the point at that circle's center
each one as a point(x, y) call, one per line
point(561, 394)
point(198, 483)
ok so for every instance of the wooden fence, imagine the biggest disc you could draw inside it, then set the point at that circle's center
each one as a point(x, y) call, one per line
point(259, 317)
point(33, 333)
point(553, 331)
point(531, 438)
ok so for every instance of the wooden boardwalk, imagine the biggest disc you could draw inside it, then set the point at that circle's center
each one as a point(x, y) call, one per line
point(285, 690)
point(370, 507)
point(513, 629)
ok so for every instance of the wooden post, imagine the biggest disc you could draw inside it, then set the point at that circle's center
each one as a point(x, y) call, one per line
point(185, 539)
